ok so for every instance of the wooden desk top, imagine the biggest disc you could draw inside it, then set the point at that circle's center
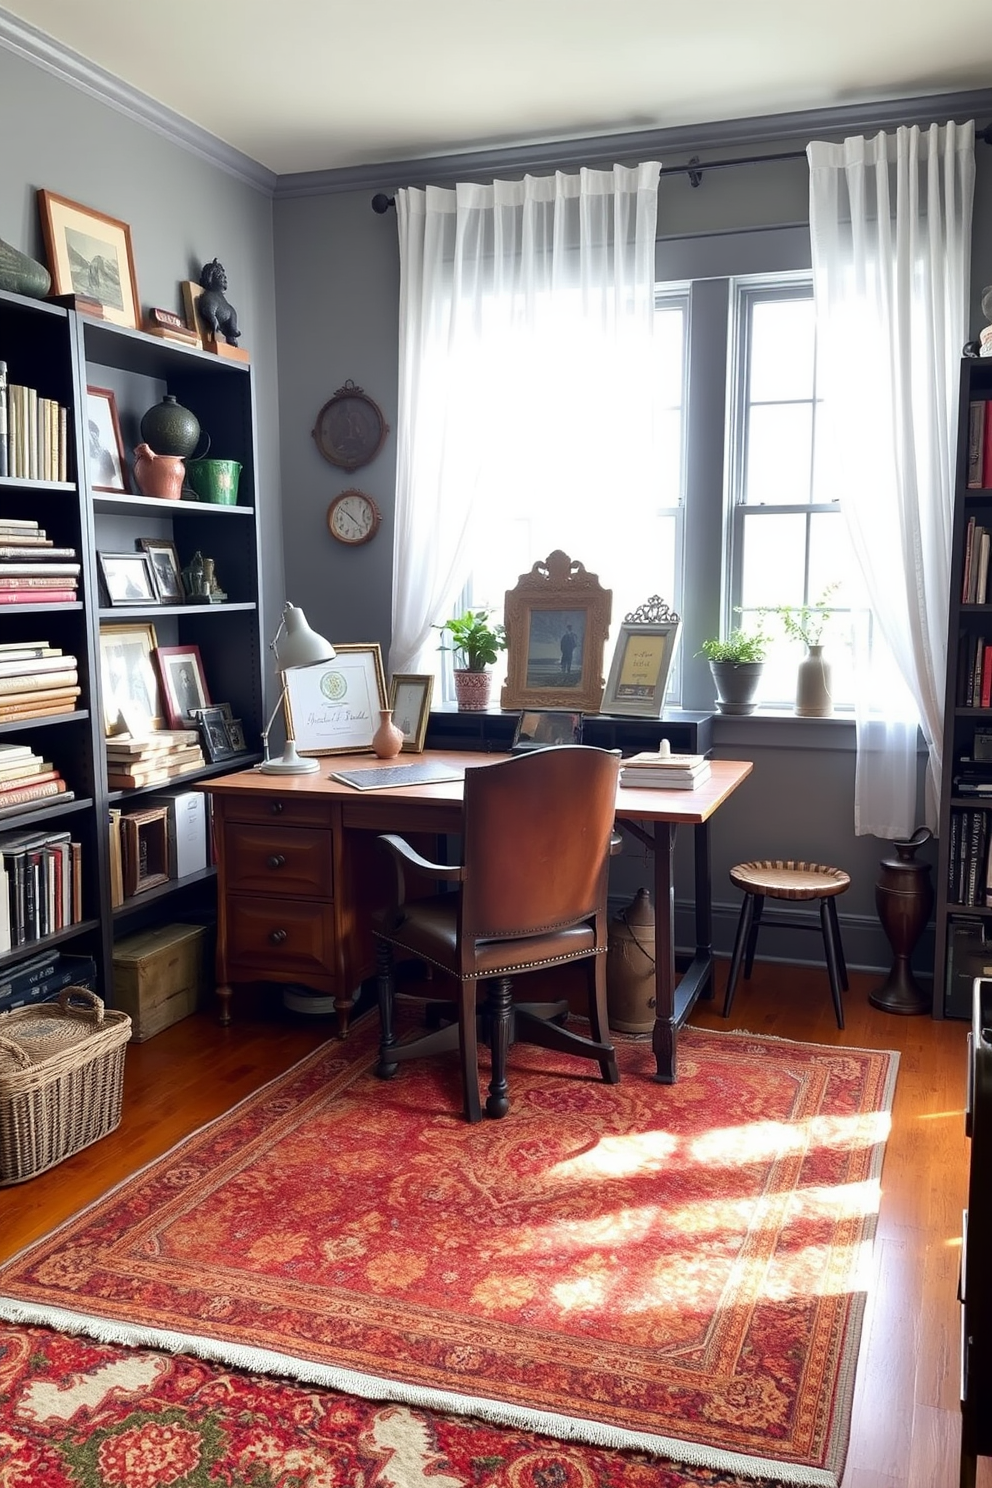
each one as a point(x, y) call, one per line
point(363, 808)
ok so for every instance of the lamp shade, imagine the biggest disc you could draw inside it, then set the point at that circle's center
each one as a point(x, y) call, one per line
point(296, 644)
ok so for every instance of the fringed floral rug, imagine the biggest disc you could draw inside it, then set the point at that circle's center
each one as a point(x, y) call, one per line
point(677, 1270)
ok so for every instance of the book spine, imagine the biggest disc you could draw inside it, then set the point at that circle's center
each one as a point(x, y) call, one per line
point(975, 839)
point(976, 444)
point(952, 851)
point(29, 568)
point(32, 580)
point(3, 418)
point(67, 678)
point(76, 854)
point(987, 446)
point(34, 552)
point(37, 596)
point(31, 793)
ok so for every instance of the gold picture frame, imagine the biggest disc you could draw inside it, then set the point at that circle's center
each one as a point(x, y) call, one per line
point(333, 707)
point(642, 661)
point(90, 254)
point(557, 619)
point(129, 689)
point(410, 700)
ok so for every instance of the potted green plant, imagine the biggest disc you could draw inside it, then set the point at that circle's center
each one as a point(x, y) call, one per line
point(477, 642)
point(736, 664)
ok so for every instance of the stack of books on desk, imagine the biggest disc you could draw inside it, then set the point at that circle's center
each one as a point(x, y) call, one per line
point(665, 771)
point(152, 759)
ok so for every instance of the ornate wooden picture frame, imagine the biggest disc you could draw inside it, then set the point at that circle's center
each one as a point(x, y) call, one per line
point(557, 619)
point(90, 254)
point(642, 661)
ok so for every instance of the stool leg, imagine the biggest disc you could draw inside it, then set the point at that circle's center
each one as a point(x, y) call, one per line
point(838, 946)
point(752, 940)
point(743, 930)
point(833, 970)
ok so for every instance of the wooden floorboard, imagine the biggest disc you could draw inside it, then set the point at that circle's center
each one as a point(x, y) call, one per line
point(905, 1427)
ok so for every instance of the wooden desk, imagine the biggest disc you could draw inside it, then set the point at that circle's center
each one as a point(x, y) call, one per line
point(299, 873)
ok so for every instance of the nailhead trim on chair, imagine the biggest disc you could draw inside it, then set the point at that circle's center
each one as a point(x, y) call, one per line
point(497, 971)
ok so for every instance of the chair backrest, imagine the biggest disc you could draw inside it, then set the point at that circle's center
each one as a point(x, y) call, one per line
point(536, 841)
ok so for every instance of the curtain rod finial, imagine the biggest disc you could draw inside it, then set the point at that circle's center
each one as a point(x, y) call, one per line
point(382, 203)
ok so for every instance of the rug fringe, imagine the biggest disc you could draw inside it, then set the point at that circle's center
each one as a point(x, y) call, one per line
point(371, 1387)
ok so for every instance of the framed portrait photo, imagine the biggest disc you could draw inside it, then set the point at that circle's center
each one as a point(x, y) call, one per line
point(90, 254)
point(334, 706)
point(127, 579)
point(129, 691)
point(104, 445)
point(184, 687)
point(215, 729)
point(167, 576)
point(410, 699)
point(642, 662)
point(557, 619)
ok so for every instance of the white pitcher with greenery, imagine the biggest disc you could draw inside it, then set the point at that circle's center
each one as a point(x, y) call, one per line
point(807, 623)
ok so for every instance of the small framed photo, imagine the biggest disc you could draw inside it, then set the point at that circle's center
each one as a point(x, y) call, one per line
point(104, 445)
point(215, 727)
point(90, 254)
point(410, 700)
point(334, 706)
point(184, 687)
point(129, 690)
point(127, 579)
point(642, 661)
point(236, 734)
point(167, 576)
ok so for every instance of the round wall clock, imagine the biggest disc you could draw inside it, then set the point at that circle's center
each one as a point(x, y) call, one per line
point(353, 518)
point(350, 428)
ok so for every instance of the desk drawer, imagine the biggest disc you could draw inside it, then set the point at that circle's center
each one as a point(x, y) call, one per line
point(290, 811)
point(295, 861)
point(280, 935)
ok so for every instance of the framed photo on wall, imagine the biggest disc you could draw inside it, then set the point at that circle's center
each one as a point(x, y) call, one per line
point(90, 254)
point(642, 661)
point(557, 619)
point(334, 706)
point(410, 699)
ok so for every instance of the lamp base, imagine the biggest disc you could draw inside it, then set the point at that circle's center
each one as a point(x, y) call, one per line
point(289, 763)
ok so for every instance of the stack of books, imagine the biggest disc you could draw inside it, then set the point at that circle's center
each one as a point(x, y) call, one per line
point(32, 569)
point(34, 438)
point(43, 976)
point(25, 779)
point(664, 770)
point(152, 759)
point(36, 681)
point(40, 885)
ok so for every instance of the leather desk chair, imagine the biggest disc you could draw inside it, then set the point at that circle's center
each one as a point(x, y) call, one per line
point(537, 839)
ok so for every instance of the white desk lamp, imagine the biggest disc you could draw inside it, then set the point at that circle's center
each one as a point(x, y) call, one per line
point(293, 645)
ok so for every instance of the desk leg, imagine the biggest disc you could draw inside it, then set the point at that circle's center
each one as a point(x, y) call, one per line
point(704, 903)
point(663, 1036)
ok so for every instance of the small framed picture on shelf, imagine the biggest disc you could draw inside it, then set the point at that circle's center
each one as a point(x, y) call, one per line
point(89, 254)
point(184, 687)
point(128, 683)
point(167, 575)
point(236, 734)
point(127, 579)
point(215, 728)
point(410, 700)
point(104, 445)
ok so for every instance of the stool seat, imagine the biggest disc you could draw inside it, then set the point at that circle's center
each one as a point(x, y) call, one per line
point(782, 878)
point(789, 880)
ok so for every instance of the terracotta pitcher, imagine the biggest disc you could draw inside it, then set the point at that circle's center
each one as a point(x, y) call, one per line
point(158, 475)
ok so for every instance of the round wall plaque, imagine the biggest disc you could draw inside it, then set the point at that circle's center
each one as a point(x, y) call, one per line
point(350, 428)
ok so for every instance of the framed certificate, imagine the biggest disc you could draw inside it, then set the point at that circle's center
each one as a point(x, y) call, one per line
point(642, 661)
point(334, 706)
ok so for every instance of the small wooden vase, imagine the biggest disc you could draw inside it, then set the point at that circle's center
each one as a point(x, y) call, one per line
point(387, 741)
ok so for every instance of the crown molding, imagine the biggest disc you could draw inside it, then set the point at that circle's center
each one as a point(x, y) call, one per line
point(26, 41)
point(647, 144)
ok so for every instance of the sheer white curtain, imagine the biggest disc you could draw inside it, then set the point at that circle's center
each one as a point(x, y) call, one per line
point(526, 356)
point(890, 223)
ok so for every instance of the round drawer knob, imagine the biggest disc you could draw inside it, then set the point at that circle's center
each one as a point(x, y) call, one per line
point(276, 860)
point(277, 937)
point(275, 807)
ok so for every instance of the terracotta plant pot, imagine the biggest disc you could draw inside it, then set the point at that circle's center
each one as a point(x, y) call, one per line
point(472, 690)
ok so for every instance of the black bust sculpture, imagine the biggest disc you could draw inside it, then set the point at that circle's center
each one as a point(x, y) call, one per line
point(216, 312)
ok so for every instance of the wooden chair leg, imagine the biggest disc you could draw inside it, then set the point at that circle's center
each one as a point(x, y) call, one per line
point(830, 950)
point(500, 996)
point(752, 939)
point(740, 941)
point(598, 1019)
point(385, 989)
point(838, 944)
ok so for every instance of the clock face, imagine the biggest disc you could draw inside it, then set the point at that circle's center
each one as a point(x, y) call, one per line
point(353, 517)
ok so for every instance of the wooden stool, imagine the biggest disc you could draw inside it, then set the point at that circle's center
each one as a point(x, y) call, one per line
point(788, 880)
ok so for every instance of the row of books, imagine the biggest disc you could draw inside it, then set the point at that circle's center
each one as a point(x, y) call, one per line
point(32, 569)
point(974, 678)
point(40, 885)
point(37, 680)
point(969, 862)
point(34, 433)
point(153, 758)
point(42, 977)
point(663, 770)
point(975, 573)
point(979, 445)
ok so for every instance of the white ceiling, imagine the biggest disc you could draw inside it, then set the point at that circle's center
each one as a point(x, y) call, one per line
point(309, 85)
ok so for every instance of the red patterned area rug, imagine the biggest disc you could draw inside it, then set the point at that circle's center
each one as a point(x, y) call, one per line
point(677, 1270)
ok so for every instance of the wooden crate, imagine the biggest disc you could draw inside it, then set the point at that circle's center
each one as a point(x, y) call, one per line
point(158, 976)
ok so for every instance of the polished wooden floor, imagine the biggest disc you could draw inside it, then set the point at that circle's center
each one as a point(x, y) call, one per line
point(905, 1427)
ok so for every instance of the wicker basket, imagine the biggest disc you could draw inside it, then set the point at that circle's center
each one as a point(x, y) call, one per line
point(61, 1081)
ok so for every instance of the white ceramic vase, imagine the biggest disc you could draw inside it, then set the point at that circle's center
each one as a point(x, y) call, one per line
point(814, 697)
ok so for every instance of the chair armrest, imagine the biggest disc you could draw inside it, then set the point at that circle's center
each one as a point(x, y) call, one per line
point(405, 858)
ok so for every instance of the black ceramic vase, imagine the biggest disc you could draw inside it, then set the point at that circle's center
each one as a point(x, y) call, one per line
point(170, 429)
point(22, 275)
point(904, 899)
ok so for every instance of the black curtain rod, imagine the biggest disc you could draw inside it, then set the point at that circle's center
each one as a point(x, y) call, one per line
point(693, 168)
